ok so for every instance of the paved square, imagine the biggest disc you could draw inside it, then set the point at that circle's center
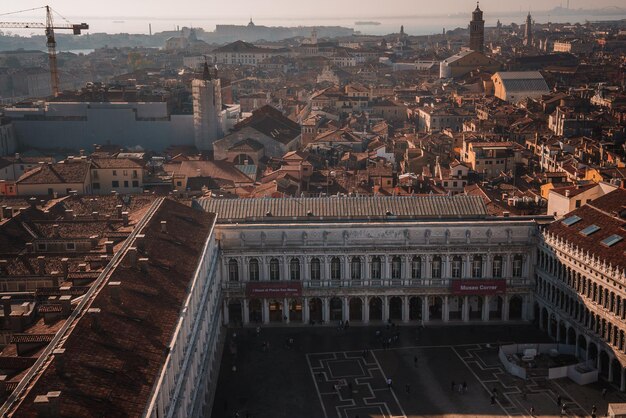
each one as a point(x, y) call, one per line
point(331, 374)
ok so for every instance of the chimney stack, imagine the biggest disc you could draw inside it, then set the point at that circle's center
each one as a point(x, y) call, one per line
point(95, 215)
point(55, 231)
point(29, 247)
point(114, 287)
point(109, 247)
point(66, 305)
point(143, 264)
point(69, 214)
point(140, 242)
point(65, 262)
point(41, 265)
point(132, 256)
point(3, 385)
point(567, 193)
point(164, 227)
point(32, 202)
point(125, 218)
point(118, 208)
point(7, 212)
point(59, 357)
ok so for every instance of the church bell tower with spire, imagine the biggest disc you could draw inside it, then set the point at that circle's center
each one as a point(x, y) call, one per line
point(477, 30)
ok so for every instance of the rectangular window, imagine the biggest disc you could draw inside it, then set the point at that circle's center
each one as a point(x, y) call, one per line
point(456, 268)
point(70, 246)
point(135, 183)
point(517, 267)
point(115, 183)
point(115, 172)
point(126, 183)
point(497, 267)
point(578, 203)
point(436, 270)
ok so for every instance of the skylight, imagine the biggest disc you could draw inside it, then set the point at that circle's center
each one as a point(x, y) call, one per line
point(612, 240)
point(571, 220)
point(590, 230)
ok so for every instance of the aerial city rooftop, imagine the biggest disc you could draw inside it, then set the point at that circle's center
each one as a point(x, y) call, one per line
point(189, 215)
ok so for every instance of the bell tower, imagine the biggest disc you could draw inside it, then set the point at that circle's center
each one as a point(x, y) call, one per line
point(477, 30)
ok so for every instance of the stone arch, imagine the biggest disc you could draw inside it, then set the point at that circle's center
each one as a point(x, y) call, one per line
point(435, 308)
point(235, 311)
point(571, 336)
point(356, 309)
point(604, 364)
point(495, 307)
point(516, 304)
point(376, 309)
point(415, 308)
point(544, 319)
point(562, 332)
point(295, 310)
point(316, 310)
point(592, 351)
point(276, 310)
point(553, 323)
point(395, 308)
point(336, 309)
point(255, 310)
point(475, 308)
point(617, 371)
point(455, 307)
point(581, 346)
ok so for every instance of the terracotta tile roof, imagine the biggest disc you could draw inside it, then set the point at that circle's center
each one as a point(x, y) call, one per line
point(110, 163)
point(222, 170)
point(271, 122)
point(31, 338)
point(366, 207)
point(63, 172)
point(609, 214)
point(113, 357)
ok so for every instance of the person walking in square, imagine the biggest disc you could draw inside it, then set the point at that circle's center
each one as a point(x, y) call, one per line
point(389, 383)
point(558, 400)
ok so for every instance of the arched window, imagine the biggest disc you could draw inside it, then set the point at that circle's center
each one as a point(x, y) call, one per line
point(457, 267)
point(335, 268)
point(497, 266)
point(294, 269)
point(233, 270)
point(253, 267)
point(316, 271)
point(517, 266)
point(355, 268)
point(274, 269)
point(396, 268)
point(416, 267)
point(436, 267)
point(477, 267)
point(376, 264)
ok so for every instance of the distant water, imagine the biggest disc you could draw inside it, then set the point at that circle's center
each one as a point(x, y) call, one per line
point(413, 25)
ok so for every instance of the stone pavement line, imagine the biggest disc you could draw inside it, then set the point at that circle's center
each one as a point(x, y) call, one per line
point(317, 389)
point(391, 389)
point(479, 380)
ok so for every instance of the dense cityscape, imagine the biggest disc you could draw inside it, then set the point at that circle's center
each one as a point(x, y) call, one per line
point(313, 221)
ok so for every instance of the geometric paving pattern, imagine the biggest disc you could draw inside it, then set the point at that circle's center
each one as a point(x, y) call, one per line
point(352, 384)
point(515, 395)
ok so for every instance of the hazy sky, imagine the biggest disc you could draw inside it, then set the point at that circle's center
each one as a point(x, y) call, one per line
point(241, 9)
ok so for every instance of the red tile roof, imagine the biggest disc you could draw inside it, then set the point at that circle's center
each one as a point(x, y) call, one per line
point(113, 357)
point(64, 172)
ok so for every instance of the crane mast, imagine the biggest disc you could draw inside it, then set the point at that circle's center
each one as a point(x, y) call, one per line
point(51, 43)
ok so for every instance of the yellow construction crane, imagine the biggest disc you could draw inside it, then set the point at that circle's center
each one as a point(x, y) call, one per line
point(51, 43)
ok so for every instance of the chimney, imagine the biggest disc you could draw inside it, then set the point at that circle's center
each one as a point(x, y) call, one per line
point(506, 214)
point(567, 193)
point(29, 247)
point(114, 287)
point(6, 308)
point(7, 212)
point(65, 262)
point(125, 218)
point(59, 357)
point(143, 264)
point(56, 278)
point(69, 214)
point(41, 265)
point(94, 215)
point(164, 227)
point(3, 385)
point(118, 208)
point(66, 305)
point(93, 239)
point(32, 202)
point(109, 247)
point(55, 230)
point(140, 242)
point(132, 256)
point(95, 321)
point(82, 267)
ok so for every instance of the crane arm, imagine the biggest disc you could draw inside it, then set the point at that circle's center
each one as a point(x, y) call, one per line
point(36, 25)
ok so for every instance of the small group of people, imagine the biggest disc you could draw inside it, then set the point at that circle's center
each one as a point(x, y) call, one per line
point(461, 387)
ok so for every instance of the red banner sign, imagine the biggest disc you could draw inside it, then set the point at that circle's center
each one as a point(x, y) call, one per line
point(478, 287)
point(273, 289)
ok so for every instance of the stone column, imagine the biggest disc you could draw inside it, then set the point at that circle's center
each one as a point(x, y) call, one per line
point(405, 309)
point(488, 269)
point(246, 312)
point(305, 271)
point(266, 311)
point(326, 260)
point(225, 315)
point(346, 275)
point(428, 267)
point(265, 268)
point(305, 311)
point(465, 311)
point(346, 309)
point(446, 268)
point(326, 310)
point(285, 274)
point(558, 328)
point(367, 265)
point(366, 311)
point(505, 307)
point(407, 268)
point(425, 310)
point(286, 310)
point(385, 308)
point(446, 310)
point(507, 269)
point(485, 314)
point(467, 268)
